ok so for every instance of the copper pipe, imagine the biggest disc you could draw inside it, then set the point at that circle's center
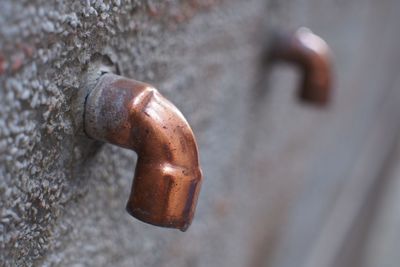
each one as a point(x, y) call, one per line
point(312, 55)
point(134, 115)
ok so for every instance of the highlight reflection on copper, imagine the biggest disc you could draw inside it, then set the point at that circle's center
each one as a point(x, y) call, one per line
point(136, 116)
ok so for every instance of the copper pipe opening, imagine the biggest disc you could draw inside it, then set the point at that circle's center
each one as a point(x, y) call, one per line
point(136, 116)
point(312, 55)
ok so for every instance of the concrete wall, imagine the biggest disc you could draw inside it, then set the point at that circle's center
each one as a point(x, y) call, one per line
point(274, 169)
point(63, 196)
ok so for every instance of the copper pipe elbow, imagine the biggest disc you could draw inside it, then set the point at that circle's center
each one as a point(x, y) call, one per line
point(312, 55)
point(134, 115)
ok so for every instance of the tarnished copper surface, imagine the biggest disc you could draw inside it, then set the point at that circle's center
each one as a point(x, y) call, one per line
point(313, 57)
point(136, 116)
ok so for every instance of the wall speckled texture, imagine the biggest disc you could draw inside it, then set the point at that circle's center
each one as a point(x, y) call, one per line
point(63, 197)
point(278, 176)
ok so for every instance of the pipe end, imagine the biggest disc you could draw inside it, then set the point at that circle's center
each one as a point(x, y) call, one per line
point(166, 199)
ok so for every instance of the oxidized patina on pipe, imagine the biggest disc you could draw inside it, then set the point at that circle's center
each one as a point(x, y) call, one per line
point(136, 116)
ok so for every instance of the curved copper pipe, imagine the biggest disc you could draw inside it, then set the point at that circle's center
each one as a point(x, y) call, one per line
point(136, 116)
point(312, 55)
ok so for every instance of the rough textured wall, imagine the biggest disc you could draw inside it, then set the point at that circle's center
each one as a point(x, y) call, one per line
point(63, 196)
point(278, 175)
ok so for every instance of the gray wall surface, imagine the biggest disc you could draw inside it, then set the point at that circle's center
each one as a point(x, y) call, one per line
point(63, 196)
point(278, 175)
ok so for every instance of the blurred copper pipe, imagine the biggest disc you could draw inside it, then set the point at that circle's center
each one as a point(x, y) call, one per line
point(136, 116)
point(312, 56)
